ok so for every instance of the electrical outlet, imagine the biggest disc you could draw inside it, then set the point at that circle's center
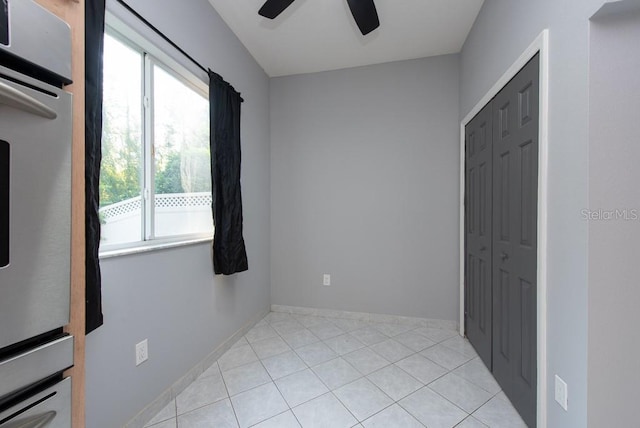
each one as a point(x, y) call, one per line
point(142, 352)
point(561, 392)
point(326, 279)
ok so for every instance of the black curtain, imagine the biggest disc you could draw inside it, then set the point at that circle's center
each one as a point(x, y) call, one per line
point(94, 44)
point(229, 253)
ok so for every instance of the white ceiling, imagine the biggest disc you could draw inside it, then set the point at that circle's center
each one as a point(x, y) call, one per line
point(319, 35)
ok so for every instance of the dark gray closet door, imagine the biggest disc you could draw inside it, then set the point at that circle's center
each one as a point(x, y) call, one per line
point(478, 174)
point(515, 190)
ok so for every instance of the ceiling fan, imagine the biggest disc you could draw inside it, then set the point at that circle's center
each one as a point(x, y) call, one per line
point(363, 11)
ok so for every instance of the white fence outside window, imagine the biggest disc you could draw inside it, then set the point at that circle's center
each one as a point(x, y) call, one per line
point(175, 214)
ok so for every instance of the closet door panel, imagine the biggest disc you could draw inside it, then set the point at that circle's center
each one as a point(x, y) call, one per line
point(478, 234)
point(514, 261)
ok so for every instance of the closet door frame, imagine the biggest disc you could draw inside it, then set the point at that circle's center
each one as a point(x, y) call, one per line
point(539, 45)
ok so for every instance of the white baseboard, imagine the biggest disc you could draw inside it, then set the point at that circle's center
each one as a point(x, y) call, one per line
point(366, 316)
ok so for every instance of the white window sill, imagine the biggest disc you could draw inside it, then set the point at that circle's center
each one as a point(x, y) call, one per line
point(150, 246)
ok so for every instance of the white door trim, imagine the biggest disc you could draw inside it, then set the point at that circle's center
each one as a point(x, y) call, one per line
point(540, 44)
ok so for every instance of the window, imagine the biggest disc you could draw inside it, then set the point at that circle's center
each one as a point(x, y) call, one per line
point(155, 177)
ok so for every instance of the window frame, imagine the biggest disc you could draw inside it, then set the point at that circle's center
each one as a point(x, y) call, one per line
point(151, 56)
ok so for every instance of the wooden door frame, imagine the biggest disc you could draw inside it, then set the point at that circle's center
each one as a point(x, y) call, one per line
point(541, 45)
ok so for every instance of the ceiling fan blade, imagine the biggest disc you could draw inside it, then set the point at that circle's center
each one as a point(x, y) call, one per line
point(272, 8)
point(365, 14)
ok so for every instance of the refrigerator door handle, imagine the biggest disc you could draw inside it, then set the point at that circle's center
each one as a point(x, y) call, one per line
point(38, 421)
point(15, 98)
point(50, 408)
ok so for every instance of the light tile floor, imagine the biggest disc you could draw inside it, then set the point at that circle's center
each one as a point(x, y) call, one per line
point(305, 371)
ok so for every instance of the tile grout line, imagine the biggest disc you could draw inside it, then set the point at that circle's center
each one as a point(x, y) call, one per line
point(224, 382)
point(370, 416)
point(290, 409)
point(175, 400)
point(257, 386)
point(367, 324)
point(332, 391)
point(308, 368)
point(175, 407)
point(394, 364)
point(344, 405)
point(271, 377)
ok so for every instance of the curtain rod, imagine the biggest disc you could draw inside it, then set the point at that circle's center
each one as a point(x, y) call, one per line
point(167, 39)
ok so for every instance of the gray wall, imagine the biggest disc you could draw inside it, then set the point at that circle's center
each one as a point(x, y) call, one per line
point(613, 369)
point(172, 297)
point(364, 186)
point(502, 31)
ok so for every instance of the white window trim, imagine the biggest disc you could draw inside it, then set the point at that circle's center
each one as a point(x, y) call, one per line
point(197, 80)
point(155, 245)
point(152, 55)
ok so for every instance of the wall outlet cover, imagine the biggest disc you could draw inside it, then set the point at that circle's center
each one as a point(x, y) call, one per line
point(326, 279)
point(561, 392)
point(142, 352)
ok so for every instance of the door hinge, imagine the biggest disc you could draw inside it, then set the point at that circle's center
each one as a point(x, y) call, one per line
point(145, 102)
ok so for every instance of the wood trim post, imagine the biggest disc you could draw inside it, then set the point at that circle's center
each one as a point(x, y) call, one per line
point(72, 11)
